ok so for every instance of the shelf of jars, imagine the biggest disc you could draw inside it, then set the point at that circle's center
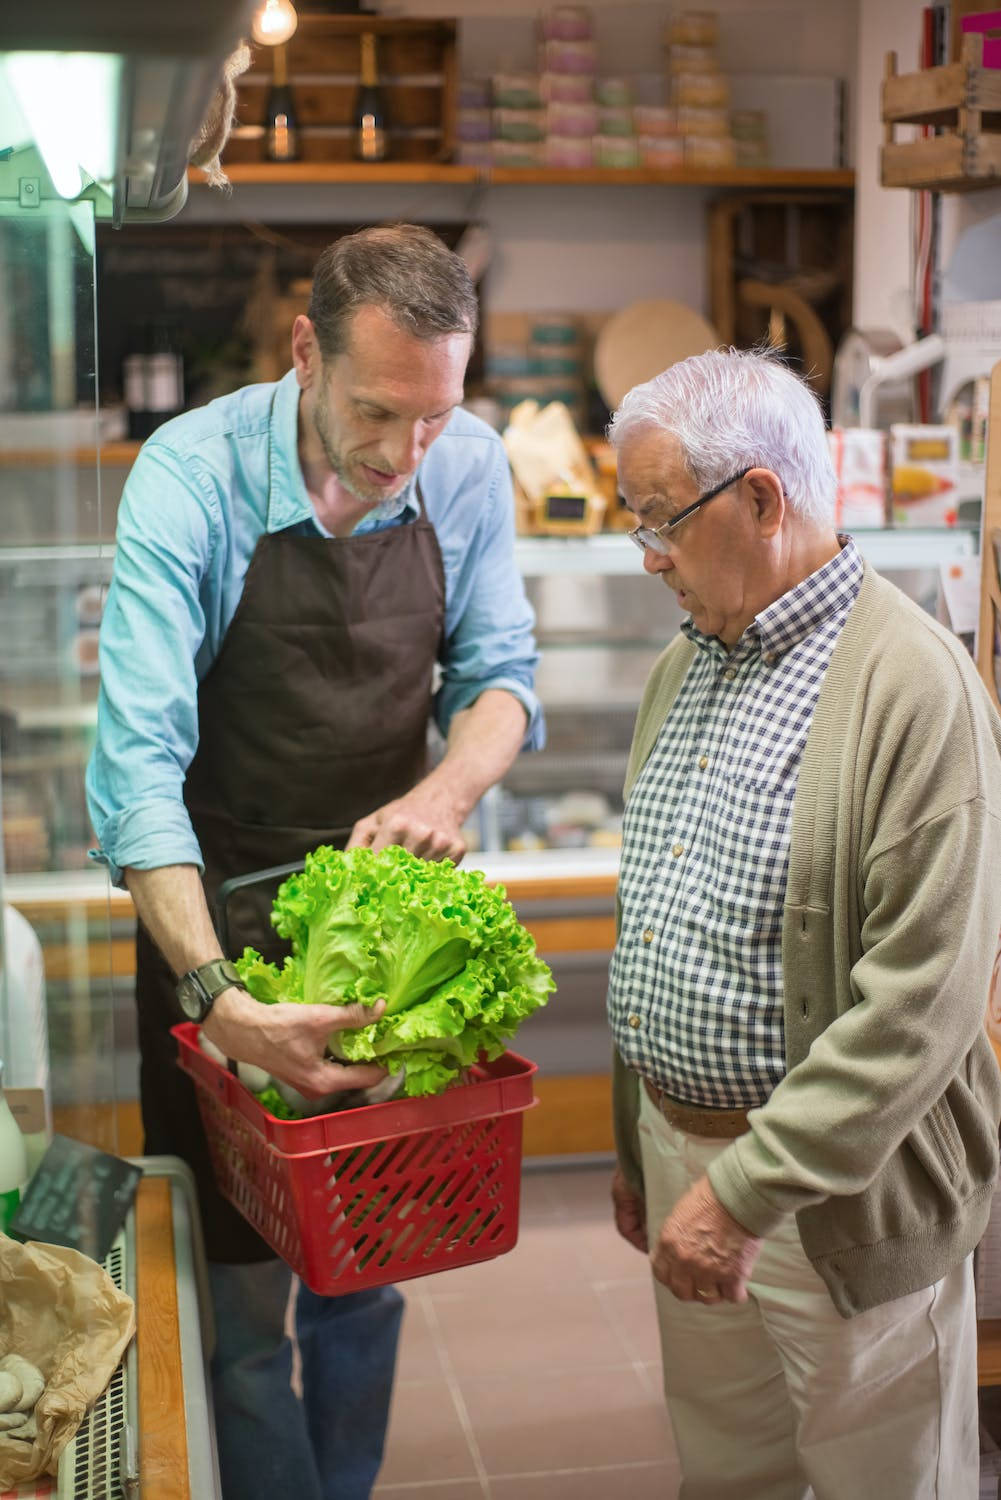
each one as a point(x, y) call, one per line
point(319, 172)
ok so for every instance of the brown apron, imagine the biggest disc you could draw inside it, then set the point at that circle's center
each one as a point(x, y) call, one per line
point(314, 713)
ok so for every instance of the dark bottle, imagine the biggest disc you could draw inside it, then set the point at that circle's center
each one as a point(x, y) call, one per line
point(281, 129)
point(153, 376)
point(369, 120)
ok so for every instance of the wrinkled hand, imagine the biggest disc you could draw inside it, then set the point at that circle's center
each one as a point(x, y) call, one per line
point(630, 1212)
point(702, 1247)
point(424, 821)
point(289, 1041)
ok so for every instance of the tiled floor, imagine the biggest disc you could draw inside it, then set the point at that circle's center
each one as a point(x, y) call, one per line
point(535, 1376)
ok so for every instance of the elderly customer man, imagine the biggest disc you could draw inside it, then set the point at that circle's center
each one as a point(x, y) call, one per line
point(806, 1102)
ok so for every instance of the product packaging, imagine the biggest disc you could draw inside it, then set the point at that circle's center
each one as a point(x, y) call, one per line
point(859, 458)
point(924, 475)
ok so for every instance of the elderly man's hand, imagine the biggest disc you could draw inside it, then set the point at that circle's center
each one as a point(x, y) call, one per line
point(630, 1212)
point(703, 1254)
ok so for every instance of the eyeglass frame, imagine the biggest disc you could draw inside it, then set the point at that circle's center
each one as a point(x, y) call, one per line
point(639, 534)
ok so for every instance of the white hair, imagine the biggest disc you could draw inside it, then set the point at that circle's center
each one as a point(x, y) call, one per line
point(733, 409)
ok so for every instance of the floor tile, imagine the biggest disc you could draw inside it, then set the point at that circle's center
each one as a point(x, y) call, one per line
point(606, 1256)
point(433, 1489)
point(548, 1330)
point(575, 1420)
point(426, 1437)
point(419, 1358)
point(657, 1481)
point(543, 1259)
point(631, 1311)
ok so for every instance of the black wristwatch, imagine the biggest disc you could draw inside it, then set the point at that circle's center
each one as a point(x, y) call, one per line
point(196, 990)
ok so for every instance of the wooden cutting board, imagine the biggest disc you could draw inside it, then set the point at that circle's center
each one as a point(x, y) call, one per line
point(643, 339)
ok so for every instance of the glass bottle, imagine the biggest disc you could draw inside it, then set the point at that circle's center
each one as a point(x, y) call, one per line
point(371, 141)
point(281, 128)
point(13, 1161)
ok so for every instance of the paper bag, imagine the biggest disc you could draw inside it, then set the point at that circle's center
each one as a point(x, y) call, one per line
point(61, 1311)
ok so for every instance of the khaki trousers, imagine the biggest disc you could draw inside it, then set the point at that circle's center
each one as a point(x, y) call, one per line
point(780, 1398)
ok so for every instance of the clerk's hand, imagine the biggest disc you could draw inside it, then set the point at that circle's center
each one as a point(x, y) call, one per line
point(289, 1041)
point(702, 1254)
point(425, 821)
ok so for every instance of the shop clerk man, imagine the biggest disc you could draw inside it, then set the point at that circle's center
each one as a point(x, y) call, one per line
point(292, 561)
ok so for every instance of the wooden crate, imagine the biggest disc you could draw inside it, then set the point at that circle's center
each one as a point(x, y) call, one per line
point(417, 70)
point(962, 99)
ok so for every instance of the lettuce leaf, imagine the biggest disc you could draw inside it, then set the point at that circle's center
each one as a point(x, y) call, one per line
point(444, 949)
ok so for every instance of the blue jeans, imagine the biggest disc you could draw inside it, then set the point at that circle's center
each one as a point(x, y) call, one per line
point(329, 1445)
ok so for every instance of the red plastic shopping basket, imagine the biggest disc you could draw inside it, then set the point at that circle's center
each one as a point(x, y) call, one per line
point(377, 1194)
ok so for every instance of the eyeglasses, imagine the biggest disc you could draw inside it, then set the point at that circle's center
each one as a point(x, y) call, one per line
point(654, 537)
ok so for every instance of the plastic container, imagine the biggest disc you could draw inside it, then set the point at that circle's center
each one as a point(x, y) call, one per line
point(615, 122)
point(712, 151)
point(569, 151)
point(692, 60)
point(693, 28)
point(566, 88)
point(704, 90)
point(616, 151)
point(614, 93)
point(13, 1162)
point(476, 153)
point(695, 121)
point(566, 23)
point(516, 91)
point(372, 1195)
point(665, 151)
point(655, 119)
point(519, 124)
point(568, 57)
point(474, 125)
point(572, 120)
point(518, 154)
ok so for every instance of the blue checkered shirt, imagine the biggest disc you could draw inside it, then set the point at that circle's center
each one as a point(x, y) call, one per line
point(695, 996)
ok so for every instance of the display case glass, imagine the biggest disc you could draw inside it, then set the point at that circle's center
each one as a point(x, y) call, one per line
point(61, 1014)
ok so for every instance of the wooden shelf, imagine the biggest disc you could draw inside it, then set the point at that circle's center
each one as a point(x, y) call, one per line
point(963, 101)
point(114, 452)
point(316, 172)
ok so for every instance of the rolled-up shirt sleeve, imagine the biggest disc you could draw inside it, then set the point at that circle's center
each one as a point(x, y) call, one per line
point(151, 633)
point(489, 623)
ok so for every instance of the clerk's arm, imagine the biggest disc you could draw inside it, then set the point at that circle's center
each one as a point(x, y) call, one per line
point(483, 741)
point(286, 1040)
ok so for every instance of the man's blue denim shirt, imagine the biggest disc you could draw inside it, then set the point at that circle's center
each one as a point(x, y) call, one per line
point(202, 492)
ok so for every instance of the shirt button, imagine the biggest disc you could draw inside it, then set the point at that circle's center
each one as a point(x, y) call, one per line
point(768, 658)
point(703, 762)
point(635, 1022)
point(648, 936)
point(677, 850)
point(730, 673)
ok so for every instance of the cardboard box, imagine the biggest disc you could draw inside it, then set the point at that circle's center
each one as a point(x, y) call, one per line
point(924, 475)
point(859, 458)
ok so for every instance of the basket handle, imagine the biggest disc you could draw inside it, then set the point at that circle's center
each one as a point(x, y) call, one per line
point(228, 888)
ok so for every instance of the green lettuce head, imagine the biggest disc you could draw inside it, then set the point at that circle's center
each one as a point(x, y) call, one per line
point(444, 949)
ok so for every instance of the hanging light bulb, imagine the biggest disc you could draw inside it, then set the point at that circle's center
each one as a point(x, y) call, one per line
point(274, 22)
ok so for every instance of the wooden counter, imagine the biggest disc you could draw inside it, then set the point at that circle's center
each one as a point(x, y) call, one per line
point(163, 1448)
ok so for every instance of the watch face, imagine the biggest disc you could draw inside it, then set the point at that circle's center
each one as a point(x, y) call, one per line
point(192, 997)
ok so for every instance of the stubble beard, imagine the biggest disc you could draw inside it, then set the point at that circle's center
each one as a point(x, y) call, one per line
point(367, 494)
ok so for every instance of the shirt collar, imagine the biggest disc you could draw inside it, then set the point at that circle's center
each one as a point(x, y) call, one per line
point(288, 499)
point(798, 613)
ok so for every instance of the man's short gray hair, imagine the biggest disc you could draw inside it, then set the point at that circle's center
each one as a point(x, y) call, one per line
point(403, 269)
point(734, 409)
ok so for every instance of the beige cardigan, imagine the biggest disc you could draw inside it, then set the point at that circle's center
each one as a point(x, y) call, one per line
point(882, 1137)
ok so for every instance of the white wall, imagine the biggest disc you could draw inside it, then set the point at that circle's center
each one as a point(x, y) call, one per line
point(592, 248)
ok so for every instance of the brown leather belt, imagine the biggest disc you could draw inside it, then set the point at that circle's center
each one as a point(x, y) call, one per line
point(721, 1124)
